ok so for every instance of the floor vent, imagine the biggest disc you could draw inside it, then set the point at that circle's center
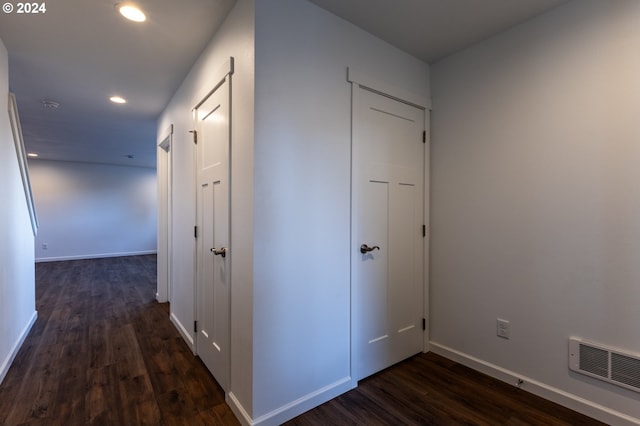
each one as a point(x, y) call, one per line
point(612, 365)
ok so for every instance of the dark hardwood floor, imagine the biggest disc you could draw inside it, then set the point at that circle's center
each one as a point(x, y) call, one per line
point(103, 352)
point(431, 390)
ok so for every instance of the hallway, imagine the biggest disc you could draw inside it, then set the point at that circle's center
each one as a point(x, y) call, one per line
point(103, 352)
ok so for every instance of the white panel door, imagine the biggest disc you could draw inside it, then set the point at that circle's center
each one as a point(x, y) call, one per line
point(213, 294)
point(387, 241)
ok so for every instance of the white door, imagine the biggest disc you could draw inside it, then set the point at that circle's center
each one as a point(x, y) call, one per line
point(213, 267)
point(388, 243)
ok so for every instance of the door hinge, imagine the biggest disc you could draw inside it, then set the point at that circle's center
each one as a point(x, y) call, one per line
point(195, 136)
point(195, 326)
point(424, 231)
point(195, 232)
point(424, 324)
point(424, 136)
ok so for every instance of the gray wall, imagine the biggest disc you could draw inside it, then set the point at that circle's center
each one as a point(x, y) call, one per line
point(290, 197)
point(536, 196)
point(93, 210)
point(302, 195)
point(17, 275)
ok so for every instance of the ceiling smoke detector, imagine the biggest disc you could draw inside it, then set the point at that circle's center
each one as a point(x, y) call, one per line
point(48, 103)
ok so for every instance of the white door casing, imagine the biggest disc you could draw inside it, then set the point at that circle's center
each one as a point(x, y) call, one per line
point(165, 187)
point(388, 215)
point(212, 117)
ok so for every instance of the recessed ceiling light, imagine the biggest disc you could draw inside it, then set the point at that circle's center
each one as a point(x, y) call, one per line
point(32, 155)
point(118, 100)
point(131, 12)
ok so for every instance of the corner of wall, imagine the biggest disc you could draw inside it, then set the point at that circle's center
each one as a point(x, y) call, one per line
point(17, 277)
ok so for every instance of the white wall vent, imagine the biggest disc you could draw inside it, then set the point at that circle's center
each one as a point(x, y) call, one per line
point(612, 365)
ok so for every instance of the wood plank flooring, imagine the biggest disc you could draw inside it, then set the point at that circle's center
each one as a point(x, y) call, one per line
point(431, 390)
point(103, 352)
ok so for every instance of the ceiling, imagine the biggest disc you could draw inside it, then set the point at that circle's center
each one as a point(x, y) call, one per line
point(80, 52)
point(433, 29)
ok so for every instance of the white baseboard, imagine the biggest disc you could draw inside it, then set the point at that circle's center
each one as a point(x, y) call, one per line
point(241, 414)
point(294, 408)
point(540, 389)
point(6, 363)
point(94, 256)
point(183, 332)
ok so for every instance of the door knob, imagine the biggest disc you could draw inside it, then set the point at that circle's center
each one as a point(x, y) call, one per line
point(219, 252)
point(366, 249)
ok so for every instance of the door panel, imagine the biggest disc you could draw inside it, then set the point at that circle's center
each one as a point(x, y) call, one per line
point(213, 293)
point(388, 200)
point(374, 264)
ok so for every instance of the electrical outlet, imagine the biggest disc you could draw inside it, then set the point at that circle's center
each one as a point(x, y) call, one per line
point(45, 246)
point(502, 328)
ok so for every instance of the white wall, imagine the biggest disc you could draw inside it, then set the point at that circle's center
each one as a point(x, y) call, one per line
point(536, 198)
point(93, 210)
point(235, 38)
point(17, 273)
point(302, 197)
point(290, 271)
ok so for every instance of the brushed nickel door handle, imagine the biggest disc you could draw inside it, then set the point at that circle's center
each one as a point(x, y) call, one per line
point(366, 249)
point(219, 252)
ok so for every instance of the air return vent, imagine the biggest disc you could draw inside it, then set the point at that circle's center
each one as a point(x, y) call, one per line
point(612, 365)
